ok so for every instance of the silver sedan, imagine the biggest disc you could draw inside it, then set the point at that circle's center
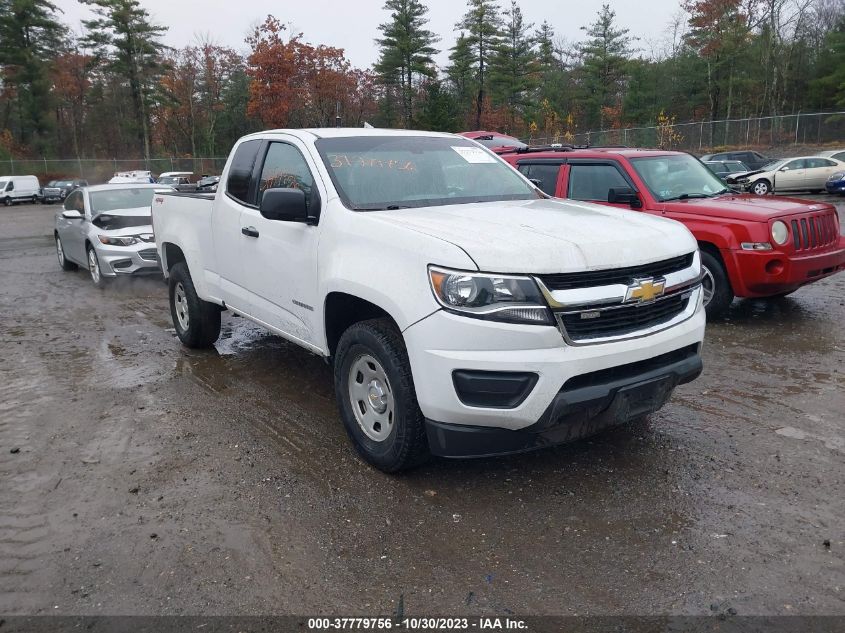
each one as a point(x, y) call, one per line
point(108, 230)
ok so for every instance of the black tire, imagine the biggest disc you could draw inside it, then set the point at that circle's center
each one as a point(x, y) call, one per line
point(201, 328)
point(405, 444)
point(64, 262)
point(94, 268)
point(760, 187)
point(7, 201)
point(721, 293)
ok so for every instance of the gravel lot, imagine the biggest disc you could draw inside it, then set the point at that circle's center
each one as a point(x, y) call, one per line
point(138, 477)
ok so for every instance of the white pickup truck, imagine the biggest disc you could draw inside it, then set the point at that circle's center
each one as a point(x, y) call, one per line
point(465, 313)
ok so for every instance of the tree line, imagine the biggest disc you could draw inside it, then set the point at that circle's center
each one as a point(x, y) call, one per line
point(117, 91)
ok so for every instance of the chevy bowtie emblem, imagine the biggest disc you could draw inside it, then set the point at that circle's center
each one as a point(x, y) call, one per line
point(643, 290)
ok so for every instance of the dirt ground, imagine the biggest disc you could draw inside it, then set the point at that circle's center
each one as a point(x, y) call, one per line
point(138, 477)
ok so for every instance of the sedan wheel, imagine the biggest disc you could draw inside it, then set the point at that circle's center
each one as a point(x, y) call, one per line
point(760, 188)
point(94, 269)
point(64, 262)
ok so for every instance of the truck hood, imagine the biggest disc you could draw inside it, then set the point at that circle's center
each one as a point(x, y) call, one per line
point(547, 236)
point(745, 207)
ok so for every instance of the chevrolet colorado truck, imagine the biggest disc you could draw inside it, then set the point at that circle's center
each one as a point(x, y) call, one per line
point(751, 246)
point(464, 312)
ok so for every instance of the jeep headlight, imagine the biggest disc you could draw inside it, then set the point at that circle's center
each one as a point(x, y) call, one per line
point(504, 298)
point(780, 234)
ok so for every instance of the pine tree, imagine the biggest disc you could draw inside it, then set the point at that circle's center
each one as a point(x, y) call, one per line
point(514, 66)
point(127, 42)
point(604, 64)
point(483, 24)
point(460, 70)
point(406, 50)
point(29, 36)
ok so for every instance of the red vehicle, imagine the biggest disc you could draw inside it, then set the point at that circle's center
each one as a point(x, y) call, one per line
point(751, 246)
point(496, 141)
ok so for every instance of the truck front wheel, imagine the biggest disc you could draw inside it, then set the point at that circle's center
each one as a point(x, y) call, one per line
point(718, 293)
point(376, 396)
point(197, 322)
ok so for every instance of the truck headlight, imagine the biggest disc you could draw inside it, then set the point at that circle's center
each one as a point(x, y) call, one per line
point(491, 297)
point(780, 234)
point(118, 241)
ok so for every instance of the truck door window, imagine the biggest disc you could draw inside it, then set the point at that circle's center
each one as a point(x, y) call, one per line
point(546, 175)
point(592, 182)
point(10, 186)
point(240, 171)
point(285, 168)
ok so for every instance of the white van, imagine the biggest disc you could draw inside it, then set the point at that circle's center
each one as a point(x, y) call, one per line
point(19, 189)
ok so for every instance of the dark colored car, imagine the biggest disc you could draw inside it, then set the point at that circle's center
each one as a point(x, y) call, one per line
point(724, 168)
point(495, 141)
point(752, 160)
point(58, 190)
point(836, 183)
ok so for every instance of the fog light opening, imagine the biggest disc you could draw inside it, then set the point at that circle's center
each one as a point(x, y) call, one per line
point(774, 267)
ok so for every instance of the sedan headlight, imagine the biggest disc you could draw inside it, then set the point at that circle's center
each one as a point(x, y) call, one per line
point(780, 234)
point(492, 297)
point(119, 241)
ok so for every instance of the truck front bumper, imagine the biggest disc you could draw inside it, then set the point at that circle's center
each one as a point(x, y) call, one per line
point(765, 273)
point(522, 387)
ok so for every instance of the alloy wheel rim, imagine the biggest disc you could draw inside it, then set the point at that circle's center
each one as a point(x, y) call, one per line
point(760, 189)
point(180, 304)
point(708, 285)
point(60, 252)
point(371, 397)
point(93, 266)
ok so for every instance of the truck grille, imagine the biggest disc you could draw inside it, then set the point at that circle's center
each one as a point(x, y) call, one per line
point(591, 278)
point(814, 231)
point(619, 321)
point(148, 254)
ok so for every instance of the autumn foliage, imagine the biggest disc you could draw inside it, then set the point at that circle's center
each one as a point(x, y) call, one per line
point(296, 84)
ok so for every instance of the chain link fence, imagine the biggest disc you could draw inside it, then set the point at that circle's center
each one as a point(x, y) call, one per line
point(96, 170)
point(699, 137)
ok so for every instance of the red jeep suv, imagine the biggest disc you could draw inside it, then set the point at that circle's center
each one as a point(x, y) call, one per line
point(751, 246)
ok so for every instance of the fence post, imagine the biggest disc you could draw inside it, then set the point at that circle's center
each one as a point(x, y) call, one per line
point(114, 160)
point(797, 120)
point(45, 165)
point(11, 166)
point(700, 135)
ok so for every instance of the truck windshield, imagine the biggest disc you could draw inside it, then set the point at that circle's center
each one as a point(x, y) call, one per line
point(393, 172)
point(116, 199)
point(677, 177)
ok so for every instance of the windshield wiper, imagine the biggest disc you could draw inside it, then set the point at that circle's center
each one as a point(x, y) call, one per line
point(687, 196)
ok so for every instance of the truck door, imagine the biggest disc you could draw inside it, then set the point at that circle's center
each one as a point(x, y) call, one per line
point(279, 257)
point(226, 225)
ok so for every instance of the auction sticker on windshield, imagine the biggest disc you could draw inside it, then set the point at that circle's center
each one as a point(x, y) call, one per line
point(474, 154)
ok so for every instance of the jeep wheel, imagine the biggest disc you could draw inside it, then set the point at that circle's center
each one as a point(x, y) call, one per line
point(761, 187)
point(376, 397)
point(197, 322)
point(718, 294)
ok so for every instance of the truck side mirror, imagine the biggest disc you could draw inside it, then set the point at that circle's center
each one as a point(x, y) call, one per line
point(286, 205)
point(624, 195)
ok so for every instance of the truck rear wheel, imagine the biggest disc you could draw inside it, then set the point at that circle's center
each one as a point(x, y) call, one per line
point(718, 293)
point(376, 396)
point(197, 322)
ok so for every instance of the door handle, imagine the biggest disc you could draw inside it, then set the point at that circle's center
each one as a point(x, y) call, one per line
point(249, 231)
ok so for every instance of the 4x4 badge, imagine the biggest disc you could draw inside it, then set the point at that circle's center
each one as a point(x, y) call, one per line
point(643, 290)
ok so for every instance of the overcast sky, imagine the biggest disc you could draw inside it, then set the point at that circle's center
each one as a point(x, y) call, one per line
point(352, 24)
